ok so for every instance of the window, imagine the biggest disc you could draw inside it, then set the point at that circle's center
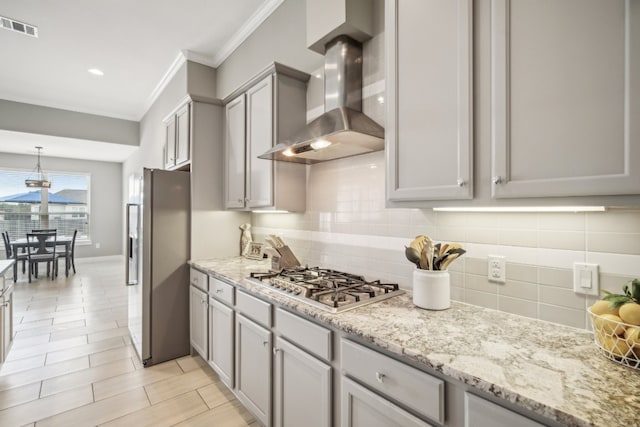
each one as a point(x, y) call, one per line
point(64, 206)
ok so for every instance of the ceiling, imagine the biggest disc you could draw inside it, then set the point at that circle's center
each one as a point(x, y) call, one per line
point(135, 43)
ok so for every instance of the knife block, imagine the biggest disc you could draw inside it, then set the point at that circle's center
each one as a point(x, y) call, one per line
point(287, 258)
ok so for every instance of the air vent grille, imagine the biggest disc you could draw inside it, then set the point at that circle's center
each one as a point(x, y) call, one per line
point(19, 27)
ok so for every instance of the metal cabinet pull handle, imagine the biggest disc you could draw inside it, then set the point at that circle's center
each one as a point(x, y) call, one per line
point(240, 200)
point(497, 180)
point(264, 343)
point(275, 350)
point(380, 377)
point(219, 291)
point(460, 182)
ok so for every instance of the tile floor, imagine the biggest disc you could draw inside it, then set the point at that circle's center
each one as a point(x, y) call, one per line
point(72, 363)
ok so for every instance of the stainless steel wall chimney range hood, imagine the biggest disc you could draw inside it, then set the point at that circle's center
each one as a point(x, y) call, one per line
point(343, 130)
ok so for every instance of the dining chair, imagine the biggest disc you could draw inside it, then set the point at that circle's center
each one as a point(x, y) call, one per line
point(68, 254)
point(9, 251)
point(39, 252)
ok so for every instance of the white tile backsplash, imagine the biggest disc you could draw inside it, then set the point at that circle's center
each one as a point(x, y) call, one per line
point(347, 227)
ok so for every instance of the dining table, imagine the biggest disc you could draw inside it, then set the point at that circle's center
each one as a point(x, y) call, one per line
point(21, 244)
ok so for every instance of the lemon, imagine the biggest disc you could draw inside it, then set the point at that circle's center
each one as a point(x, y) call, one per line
point(615, 345)
point(630, 313)
point(632, 336)
point(602, 307)
point(609, 324)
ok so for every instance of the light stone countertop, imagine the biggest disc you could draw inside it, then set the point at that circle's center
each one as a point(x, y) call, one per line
point(5, 264)
point(553, 370)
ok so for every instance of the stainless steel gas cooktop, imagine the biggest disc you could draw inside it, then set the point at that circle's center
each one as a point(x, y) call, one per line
point(331, 290)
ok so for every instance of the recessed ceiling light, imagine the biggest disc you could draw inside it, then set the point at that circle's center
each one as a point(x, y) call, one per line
point(96, 72)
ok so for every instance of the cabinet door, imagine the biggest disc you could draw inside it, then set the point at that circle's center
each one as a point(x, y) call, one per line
point(198, 321)
point(169, 144)
point(259, 140)
point(363, 408)
point(429, 100)
point(221, 348)
point(183, 134)
point(482, 413)
point(565, 98)
point(253, 368)
point(235, 153)
point(296, 374)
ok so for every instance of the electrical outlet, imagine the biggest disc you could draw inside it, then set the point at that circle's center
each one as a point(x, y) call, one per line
point(585, 278)
point(97, 245)
point(497, 270)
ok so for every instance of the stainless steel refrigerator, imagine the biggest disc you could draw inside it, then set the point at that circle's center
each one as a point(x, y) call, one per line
point(157, 270)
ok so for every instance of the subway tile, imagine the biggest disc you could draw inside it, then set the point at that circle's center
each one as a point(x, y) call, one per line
point(618, 243)
point(480, 283)
point(613, 283)
point(475, 266)
point(561, 221)
point(556, 277)
point(614, 221)
point(522, 290)
point(518, 238)
point(562, 315)
point(562, 297)
point(482, 299)
point(518, 306)
point(449, 234)
point(457, 293)
point(483, 235)
point(522, 272)
point(570, 240)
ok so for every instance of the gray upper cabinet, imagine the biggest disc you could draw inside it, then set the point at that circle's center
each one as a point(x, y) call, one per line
point(565, 98)
point(235, 132)
point(260, 114)
point(177, 145)
point(429, 109)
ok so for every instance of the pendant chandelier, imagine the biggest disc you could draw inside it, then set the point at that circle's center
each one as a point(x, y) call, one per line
point(41, 182)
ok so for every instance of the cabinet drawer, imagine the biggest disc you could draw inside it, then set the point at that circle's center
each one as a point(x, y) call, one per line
point(403, 383)
point(254, 308)
point(220, 290)
point(482, 413)
point(305, 334)
point(199, 280)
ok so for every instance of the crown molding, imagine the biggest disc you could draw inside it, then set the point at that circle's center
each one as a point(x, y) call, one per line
point(245, 31)
point(234, 42)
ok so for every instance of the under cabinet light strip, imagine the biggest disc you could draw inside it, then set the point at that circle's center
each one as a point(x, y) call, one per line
point(523, 209)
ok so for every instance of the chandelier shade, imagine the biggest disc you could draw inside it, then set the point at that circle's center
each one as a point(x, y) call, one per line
point(41, 181)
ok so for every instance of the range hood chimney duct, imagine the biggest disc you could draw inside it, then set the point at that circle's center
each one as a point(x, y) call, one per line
point(343, 130)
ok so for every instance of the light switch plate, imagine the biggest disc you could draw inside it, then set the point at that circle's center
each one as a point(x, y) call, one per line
point(497, 270)
point(586, 278)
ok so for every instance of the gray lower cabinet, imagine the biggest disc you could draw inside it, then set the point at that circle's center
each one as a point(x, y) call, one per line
point(198, 320)
point(253, 368)
point(6, 317)
point(482, 413)
point(297, 374)
point(363, 408)
point(221, 348)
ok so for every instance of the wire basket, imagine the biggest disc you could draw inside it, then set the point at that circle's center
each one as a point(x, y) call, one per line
point(617, 341)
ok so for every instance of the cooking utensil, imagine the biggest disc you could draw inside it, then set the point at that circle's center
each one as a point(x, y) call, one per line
point(412, 255)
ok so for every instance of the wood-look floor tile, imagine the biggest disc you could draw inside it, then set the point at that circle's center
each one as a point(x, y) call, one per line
point(82, 330)
point(23, 342)
point(19, 395)
point(22, 364)
point(46, 407)
point(31, 317)
point(190, 363)
point(19, 326)
point(139, 378)
point(83, 350)
point(48, 347)
point(171, 387)
point(100, 412)
point(167, 413)
point(231, 414)
point(50, 328)
point(97, 359)
point(109, 333)
point(86, 376)
point(216, 394)
point(38, 374)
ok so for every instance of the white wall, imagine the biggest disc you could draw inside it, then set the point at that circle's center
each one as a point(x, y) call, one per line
point(105, 203)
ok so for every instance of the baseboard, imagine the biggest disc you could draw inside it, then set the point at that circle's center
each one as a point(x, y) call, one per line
point(108, 258)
